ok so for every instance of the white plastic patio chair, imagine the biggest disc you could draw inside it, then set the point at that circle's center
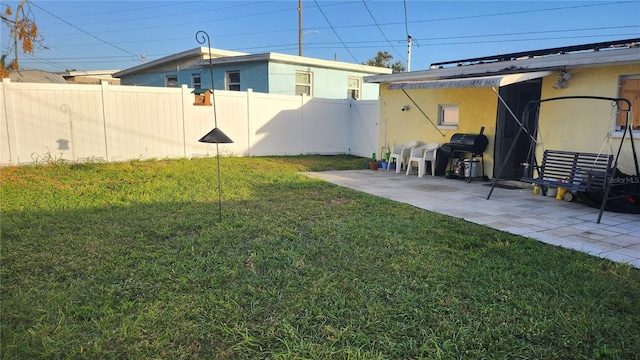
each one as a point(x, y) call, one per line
point(400, 153)
point(422, 155)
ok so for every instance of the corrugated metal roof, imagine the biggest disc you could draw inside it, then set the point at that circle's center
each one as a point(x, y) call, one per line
point(453, 83)
point(471, 82)
point(556, 62)
point(616, 44)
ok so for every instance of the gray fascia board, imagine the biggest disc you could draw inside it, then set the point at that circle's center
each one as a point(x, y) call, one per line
point(197, 52)
point(185, 54)
point(295, 60)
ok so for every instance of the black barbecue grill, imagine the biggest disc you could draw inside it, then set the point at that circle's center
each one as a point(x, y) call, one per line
point(475, 144)
point(461, 144)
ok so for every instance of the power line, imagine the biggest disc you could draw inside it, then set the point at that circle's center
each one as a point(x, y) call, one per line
point(376, 44)
point(335, 32)
point(373, 45)
point(311, 44)
point(347, 45)
point(381, 32)
point(164, 25)
point(86, 33)
point(447, 43)
point(409, 38)
point(485, 15)
point(406, 25)
point(521, 12)
point(26, 59)
point(406, 22)
point(181, 4)
point(531, 39)
point(536, 32)
point(502, 34)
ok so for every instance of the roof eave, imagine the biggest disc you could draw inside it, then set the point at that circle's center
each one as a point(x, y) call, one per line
point(297, 60)
point(197, 52)
point(595, 58)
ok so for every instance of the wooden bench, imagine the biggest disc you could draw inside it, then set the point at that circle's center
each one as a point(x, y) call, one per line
point(575, 171)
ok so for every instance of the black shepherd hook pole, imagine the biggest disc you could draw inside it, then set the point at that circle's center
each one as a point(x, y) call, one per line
point(216, 135)
point(201, 36)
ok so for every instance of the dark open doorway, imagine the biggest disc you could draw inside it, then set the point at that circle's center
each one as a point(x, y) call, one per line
point(516, 96)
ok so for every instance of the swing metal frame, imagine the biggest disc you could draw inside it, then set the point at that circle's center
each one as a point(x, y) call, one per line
point(610, 172)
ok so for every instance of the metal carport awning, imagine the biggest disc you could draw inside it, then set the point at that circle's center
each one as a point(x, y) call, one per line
point(470, 82)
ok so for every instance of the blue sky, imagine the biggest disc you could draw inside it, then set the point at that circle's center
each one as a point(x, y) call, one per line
point(99, 35)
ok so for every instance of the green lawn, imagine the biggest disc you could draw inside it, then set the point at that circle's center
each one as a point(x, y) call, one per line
point(130, 261)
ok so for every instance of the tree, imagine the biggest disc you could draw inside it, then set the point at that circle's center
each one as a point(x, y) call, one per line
point(23, 33)
point(383, 59)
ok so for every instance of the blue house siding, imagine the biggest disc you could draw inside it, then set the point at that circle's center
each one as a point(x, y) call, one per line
point(158, 78)
point(155, 79)
point(370, 92)
point(265, 73)
point(252, 76)
point(327, 83)
point(282, 79)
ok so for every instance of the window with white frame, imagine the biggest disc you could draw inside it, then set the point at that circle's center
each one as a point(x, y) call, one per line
point(629, 88)
point(448, 115)
point(353, 87)
point(171, 81)
point(232, 80)
point(196, 81)
point(304, 83)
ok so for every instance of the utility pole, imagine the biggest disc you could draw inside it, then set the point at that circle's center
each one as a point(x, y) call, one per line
point(408, 53)
point(299, 27)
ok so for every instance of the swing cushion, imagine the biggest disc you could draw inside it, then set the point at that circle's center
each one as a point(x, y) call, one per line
point(573, 170)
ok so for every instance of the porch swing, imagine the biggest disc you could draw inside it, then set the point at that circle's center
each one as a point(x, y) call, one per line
point(578, 172)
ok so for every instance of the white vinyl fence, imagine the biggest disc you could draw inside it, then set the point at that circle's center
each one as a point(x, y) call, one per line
point(82, 123)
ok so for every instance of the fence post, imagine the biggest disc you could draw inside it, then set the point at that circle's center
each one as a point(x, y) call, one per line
point(104, 87)
point(350, 103)
point(9, 118)
point(249, 120)
point(185, 100)
point(303, 100)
